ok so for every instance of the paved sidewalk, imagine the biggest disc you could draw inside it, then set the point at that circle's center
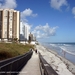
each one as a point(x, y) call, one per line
point(32, 66)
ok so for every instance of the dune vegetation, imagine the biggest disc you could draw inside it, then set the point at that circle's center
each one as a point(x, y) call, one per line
point(8, 50)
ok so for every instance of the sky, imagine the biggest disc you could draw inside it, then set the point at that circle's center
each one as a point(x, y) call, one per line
point(49, 20)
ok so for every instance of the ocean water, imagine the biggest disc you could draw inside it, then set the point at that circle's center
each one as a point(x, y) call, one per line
point(66, 50)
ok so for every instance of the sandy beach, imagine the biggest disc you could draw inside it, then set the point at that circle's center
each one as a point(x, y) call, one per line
point(58, 63)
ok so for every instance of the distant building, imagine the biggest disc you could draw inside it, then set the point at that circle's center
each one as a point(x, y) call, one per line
point(22, 38)
point(9, 24)
point(34, 38)
point(31, 37)
point(26, 32)
point(21, 27)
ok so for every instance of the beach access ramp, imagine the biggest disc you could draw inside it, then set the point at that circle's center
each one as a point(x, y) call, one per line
point(32, 67)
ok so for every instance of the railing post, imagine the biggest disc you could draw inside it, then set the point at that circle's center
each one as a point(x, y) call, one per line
point(11, 69)
point(8, 73)
point(0, 71)
point(41, 68)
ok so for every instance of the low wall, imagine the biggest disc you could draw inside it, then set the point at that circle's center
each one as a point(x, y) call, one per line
point(46, 69)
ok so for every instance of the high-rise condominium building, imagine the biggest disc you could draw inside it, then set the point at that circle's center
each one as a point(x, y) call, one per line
point(9, 24)
point(26, 31)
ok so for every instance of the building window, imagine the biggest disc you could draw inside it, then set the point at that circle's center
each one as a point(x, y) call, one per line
point(5, 12)
point(10, 29)
point(10, 17)
point(10, 36)
point(5, 32)
point(5, 23)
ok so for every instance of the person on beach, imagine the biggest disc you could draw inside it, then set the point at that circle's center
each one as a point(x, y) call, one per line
point(36, 51)
point(64, 53)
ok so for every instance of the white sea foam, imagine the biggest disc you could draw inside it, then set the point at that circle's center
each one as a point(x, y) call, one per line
point(69, 48)
point(65, 49)
point(67, 45)
point(54, 45)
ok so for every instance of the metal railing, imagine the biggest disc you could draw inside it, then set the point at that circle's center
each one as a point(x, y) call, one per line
point(14, 65)
point(46, 69)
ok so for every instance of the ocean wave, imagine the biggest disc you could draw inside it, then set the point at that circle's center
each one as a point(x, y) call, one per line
point(57, 45)
point(67, 45)
point(65, 49)
point(54, 45)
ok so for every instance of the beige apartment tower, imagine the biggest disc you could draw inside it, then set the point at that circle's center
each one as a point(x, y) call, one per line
point(9, 24)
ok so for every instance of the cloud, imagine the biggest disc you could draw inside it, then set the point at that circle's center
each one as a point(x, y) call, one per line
point(44, 31)
point(57, 4)
point(73, 11)
point(26, 13)
point(8, 4)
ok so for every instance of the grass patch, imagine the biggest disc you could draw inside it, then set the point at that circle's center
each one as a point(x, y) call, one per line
point(8, 50)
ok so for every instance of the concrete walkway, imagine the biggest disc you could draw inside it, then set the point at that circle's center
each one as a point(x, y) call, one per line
point(32, 66)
